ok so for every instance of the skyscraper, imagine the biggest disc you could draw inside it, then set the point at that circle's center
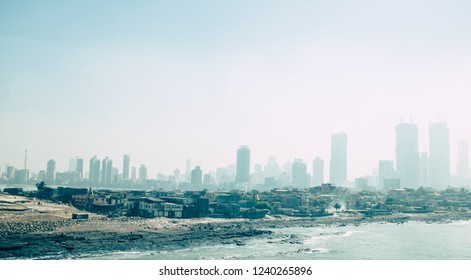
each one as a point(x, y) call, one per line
point(10, 172)
point(407, 154)
point(79, 167)
point(338, 158)
point(72, 164)
point(25, 165)
point(176, 175)
point(126, 159)
point(196, 176)
point(109, 172)
point(94, 171)
point(142, 172)
point(243, 165)
point(207, 178)
point(385, 171)
point(272, 170)
point(439, 160)
point(317, 171)
point(462, 168)
point(51, 171)
point(106, 167)
point(188, 170)
point(298, 174)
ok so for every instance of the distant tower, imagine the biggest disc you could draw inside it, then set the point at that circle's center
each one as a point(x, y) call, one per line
point(72, 164)
point(94, 171)
point(207, 179)
point(196, 176)
point(10, 172)
point(385, 171)
point(462, 169)
point(439, 160)
point(298, 174)
point(142, 172)
point(317, 171)
point(109, 172)
point(272, 170)
point(338, 158)
point(176, 174)
point(25, 166)
point(106, 167)
point(126, 160)
point(51, 171)
point(133, 173)
point(407, 154)
point(243, 165)
point(79, 167)
point(188, 170)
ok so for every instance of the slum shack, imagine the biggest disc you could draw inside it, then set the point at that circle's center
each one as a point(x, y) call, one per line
point(76, 216)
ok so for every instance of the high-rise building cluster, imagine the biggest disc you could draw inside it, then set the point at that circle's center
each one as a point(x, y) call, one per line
point(411, 168)
point(416, 168)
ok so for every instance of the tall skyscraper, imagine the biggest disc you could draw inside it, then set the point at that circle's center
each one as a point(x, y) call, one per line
point(207, 178)
point(109, 172)
point(126, 160)
point(94, 171)
point(188, 170)
point(299, 174)
point(114, 174)
point(22, 176)
point(72, 164)
point(196, 176)
point(25, 165)
point(272, 169)
point(142, 172)
point(317, 171)
point(338, 158)
point(243, 165)
point(51, 171)
point(176, 175)
point(133, 173)
point(106, 168)
point(10, 172)
point(439, 159)
point(79, 167)
point(385, 171)
point(462, 168)
point(407, 154)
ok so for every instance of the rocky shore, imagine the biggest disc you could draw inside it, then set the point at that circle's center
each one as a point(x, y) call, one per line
point(73, 238)
point(65, 239)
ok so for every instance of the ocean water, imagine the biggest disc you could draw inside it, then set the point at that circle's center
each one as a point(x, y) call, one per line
point(409, 241)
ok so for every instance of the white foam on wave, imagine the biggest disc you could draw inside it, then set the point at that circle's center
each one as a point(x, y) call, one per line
point(314, 239)
point(459, 223)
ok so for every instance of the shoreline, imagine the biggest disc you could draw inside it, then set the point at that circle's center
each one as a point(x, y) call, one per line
point(75, 239)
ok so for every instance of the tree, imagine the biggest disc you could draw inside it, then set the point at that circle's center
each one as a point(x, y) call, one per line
point(43, 191)
point(337, 206)
point(41, 185)
point(263, 205)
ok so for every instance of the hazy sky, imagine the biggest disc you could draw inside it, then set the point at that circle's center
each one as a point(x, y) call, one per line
point(168, 80)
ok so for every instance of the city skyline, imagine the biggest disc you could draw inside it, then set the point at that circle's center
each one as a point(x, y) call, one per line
point(429, 168)
point(164, 82)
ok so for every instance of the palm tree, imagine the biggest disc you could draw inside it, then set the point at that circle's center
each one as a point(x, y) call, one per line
point(41, 185)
